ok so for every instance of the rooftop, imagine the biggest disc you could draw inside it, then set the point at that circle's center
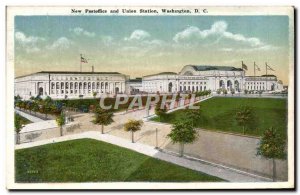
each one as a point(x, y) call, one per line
point(67, 72)
point(212, 67)
point(269, 75)
point(136, 80)
point(162, 73)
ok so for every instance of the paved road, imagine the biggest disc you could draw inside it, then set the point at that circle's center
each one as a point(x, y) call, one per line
point(221, 172)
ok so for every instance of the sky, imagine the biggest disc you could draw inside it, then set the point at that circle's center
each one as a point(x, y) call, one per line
point(143, 45)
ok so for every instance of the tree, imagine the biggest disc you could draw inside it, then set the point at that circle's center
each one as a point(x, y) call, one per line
point(244, 116)
point(17, 100)
point(95, 94)
point(18, 127)
point(193, 115)
point(29, 106)
point(177, 99)
point(133, 126)
point(32, 98)
point(47, 105)
point(232, 92)
point(183, 132)
point(22, 105)
point(35, 107)
point(272, 146)
point(61, 121)
point(103, 117)
point(160, 112)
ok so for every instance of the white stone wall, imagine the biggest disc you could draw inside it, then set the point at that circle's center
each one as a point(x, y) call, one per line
point(160, 83)
point(190, 80)
point(70, 85)
point(28, 86)
point(263, 83)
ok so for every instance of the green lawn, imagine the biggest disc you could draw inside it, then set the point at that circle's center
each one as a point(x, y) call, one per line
point(218, 113)
point(88, 160)
point(24, 121)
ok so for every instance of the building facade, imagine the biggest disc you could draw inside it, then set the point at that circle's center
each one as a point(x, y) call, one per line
point(62, 84)
point(203, 77)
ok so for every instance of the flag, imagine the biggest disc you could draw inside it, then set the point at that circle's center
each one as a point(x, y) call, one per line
point(269, 68)
point(244, 66)
point(83, 60)
point(256, 67)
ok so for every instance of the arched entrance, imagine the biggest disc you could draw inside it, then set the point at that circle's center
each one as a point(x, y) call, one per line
point(41, 91)
point(170, 87)
point(273, 87)
point(117, 90)
point(221, 84)
point(229, 85)
point(236, 85)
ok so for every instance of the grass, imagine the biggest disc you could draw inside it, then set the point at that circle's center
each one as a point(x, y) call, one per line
point(88, 160)
point(219, 113)
point(24, 120)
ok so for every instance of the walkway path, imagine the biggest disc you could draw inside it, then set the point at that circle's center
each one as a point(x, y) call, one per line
point(221, 172)
point(146, 118)
point(28, 116)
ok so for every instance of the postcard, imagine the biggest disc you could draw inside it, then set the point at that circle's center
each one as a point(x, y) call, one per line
point(152, 98)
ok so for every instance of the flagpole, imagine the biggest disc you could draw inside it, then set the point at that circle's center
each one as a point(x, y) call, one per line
point(254, 77)
point(266, 77)
point(242, 77)
point(80, 62)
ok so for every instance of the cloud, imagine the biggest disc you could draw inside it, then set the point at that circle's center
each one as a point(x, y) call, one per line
point(28, 43)
point(138, 35)
point(61, 43)
point(107, 40)
point(26, 40)
point(80, 31)
point(140, 44)
point(33, 50)
point(218, 34)
point(218, 28)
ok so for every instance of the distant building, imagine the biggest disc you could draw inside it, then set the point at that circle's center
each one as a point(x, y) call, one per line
point(134, 85)
point(206, 77)
point(63, 84)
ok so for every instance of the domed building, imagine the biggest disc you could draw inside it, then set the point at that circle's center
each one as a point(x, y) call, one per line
point(208, 77)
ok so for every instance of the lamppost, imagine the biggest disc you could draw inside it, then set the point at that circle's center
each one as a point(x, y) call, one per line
point(156, 138)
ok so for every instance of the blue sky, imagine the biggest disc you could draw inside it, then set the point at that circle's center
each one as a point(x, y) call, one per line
point(141, 45)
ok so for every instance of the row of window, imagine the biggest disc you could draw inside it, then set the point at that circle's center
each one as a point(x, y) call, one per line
point(256, 88)
point(184, 83)
point(197, 83)
point(81, 85)
point(192, 88)
point(77, 91)
point(253, 83)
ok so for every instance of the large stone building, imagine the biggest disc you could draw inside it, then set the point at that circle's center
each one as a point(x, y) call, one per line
point(204, 77)
point(62, 84)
